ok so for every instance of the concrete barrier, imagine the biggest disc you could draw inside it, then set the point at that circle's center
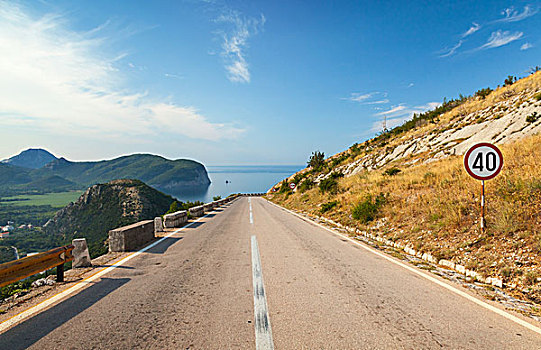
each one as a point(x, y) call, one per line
point(208, 207)
point(81, 256)
point(175, 219)
point(197, 211)
point(131, 237)
point(158, 224)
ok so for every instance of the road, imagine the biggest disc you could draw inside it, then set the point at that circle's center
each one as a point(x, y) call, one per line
point(195, 290)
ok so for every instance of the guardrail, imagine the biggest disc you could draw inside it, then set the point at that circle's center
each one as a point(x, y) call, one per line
point(16, 270)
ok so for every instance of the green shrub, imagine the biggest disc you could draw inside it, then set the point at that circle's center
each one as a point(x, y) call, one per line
point(216, 198)
point(306, 185)
point(509, 80)
point(317, 161)
point(339, 160)
point(328, 185)
point(391, 171)
point(284, 187)
point(538, 96)
point(366, 210)
point(328, 206)
point(482, 93)
point(532, 118)
point(177, 206)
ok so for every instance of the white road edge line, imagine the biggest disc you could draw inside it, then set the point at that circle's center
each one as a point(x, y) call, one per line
point(251, 215)
point(55, 298)
point(424, 275)
point(263, 332)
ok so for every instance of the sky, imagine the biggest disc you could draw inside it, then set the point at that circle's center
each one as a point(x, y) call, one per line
point(243, 82)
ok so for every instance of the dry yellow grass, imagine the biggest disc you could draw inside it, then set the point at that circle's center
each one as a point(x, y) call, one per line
point(436, 208)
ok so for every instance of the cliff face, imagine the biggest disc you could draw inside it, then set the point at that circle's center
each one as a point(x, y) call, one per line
point(106, 206)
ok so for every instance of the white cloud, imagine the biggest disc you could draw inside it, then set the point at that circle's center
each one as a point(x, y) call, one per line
point(499, 38)
point(452, 50)
point(59, 81)
point(475, 27)
point(512, 15)
point(411, 85)
point(395, 110)
point(358, 97)
point(235, 43)
point(170, 75)
point(526, 46)
point(365, 99)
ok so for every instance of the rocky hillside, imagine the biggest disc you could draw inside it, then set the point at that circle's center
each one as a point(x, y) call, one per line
point(407, 187)
point(104, 207)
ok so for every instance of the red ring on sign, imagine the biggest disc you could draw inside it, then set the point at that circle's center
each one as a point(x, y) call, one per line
point(473, 148)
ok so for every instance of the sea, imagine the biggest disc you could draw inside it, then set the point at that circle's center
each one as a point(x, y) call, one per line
point(226, 180)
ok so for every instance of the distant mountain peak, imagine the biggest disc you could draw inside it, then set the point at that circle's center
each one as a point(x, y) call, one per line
point(33, 158)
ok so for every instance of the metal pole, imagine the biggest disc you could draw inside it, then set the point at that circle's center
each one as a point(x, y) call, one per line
point(60, 273)
point(483, 223)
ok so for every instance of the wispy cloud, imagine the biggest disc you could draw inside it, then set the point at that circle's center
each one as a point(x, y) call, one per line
point(501, 38)
point(451, 51)
point(526, 46)
point(512, 15)
point(60, 81)
point(175, 76)
point(400, 109)
point(475, 27)
point(235, 43)
point(366, 98)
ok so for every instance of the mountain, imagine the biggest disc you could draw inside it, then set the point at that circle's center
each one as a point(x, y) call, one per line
point(154, 170)
point(408, 186)
point(33, 158)
point(61, 174)
point(104, 207)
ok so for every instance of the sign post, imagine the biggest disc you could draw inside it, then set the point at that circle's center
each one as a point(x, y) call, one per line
point(483, 161)
point(292, 186)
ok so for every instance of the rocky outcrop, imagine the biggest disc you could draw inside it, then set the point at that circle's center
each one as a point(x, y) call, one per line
point(104, 207)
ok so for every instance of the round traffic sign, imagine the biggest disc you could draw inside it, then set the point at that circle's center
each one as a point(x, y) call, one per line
point(292, 185)
point(483, 161)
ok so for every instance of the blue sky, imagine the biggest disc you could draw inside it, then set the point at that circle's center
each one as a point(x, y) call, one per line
point(243, 82)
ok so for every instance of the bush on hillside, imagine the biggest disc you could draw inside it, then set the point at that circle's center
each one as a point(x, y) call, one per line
point(317, 161)
point(366, 210)
point(284, 187)
point(177, 206)
point(325, 207)
point(532, 118)
point(329, 185)
point(391, 171)
point(483, 93)
point(306, 185)
point(509, 80)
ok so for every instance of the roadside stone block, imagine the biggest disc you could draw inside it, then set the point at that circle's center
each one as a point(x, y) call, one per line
point(131, 237)
point(158, 224)
point(81, 256)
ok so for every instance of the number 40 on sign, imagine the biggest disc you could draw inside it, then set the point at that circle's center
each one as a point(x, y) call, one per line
point(483, 161)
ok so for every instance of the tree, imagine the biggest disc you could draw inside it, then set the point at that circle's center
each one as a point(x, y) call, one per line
point(482, 93)
point(317, 160)
point(509, 80)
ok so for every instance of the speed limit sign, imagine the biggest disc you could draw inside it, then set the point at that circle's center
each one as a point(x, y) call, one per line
point(292, 186)
point(483, 161)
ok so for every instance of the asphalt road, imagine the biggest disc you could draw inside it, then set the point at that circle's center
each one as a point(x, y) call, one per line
point(195, 290)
